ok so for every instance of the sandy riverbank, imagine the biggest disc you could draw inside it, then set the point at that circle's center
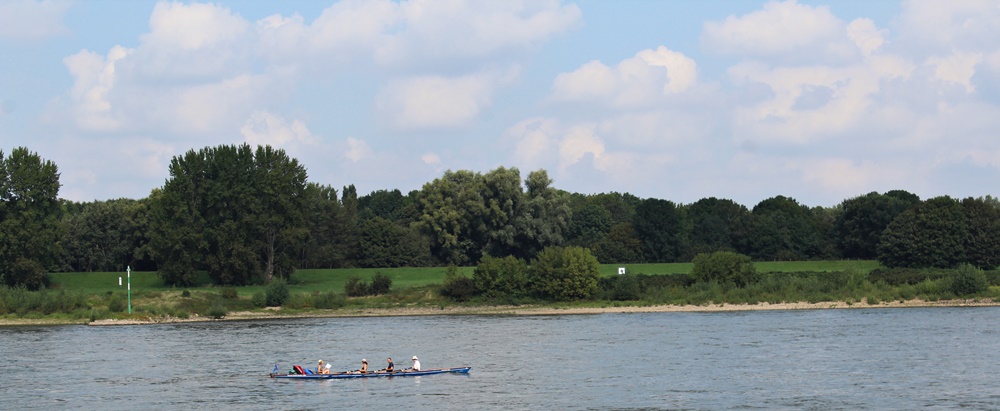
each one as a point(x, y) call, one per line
point(518, 310)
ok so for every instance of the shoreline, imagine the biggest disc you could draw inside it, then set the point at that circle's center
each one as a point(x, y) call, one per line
point(277, 314)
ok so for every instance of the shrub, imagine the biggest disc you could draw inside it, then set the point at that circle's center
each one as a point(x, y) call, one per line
point(116, 304)
point(276, 293)
point(259, 299)
point(724, 267)
point(457, 286)
point(626, 287)
point(506, 276)
point(328, 300)
point(217, 311)
point(564, 273)
point(968, 280)
point(381, 284)
point(186, 294)
point(355, 286)
point(229, 293)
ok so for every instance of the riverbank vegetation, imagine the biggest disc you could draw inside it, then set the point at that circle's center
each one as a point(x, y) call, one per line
point(86, 297)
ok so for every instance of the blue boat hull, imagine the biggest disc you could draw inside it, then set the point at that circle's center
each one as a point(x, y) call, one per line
point(342, 375)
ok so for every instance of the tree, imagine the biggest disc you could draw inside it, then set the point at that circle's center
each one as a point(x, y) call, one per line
point(724, 267)
point(231, 210)
point(382, 203)
point(716, 225)
point(982, 244)
point(932, 234)
point(862, 219)
point(387, 244)
point(564, 273)
point(105, 235)
point(782, 229)
point(29, 218)
point(501, 277)
point(620, 246)
point(661, 227)
point(589, 225)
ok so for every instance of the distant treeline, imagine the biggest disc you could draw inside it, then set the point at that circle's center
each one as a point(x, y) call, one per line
point(245, 215)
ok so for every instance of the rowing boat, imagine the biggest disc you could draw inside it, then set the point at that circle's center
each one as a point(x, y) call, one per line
point(400, 373)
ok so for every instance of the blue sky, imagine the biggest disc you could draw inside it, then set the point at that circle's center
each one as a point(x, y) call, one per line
point(678, 100)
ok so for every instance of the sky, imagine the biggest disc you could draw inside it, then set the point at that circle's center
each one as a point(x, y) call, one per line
point(819, 101)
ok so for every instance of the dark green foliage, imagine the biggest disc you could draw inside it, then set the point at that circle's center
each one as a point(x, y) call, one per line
point(355, 286)
point(968, 280)
point(233, 211)
point(716, 225)
point(590, 224)
point(116, 303)
point(626, 287)
point(506, 277)
point(904, 275)
point(564, 274)
point(185, 294)
point(259, 299)
point(328, 300)
point(862, 219)
point(229, 293)
point(106, 236)
point(29, 219)
point(383, 204)
point(457, 286)
point(724, 267)
point(276, 293)
point(217, 311)
point(931, 234)
point(661, 227)
point(982, 245)
point(381, 284)
point(782, 229)
point(386, 244)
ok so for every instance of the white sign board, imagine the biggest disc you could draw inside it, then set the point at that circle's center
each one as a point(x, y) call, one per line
point(621, 270)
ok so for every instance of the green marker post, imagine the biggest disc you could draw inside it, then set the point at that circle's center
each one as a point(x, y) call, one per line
point(128, 271)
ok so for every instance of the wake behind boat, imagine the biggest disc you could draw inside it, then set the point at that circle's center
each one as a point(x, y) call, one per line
point(354, 374)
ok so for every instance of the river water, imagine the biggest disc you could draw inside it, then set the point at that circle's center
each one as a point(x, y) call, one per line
point(938, 358)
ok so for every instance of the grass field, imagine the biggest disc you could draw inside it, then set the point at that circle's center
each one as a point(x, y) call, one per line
point(334, 279)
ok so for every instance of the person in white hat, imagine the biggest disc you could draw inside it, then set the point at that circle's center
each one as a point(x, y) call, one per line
point(416, 364)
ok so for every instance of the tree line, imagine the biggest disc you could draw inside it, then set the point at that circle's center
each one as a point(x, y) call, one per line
point(245, 215)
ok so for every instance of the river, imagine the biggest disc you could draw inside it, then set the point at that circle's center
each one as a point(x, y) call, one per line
point(850, 359)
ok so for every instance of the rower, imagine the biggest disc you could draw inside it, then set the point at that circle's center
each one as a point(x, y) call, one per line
point(390, 367)
point(364, 366)
point(416, 364)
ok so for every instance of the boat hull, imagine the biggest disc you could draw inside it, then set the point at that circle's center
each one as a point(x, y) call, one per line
point(345, 375)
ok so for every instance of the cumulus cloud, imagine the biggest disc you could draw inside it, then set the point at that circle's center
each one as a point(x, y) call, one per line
point(357, 150)
point(786, 30)
point(264, 128)
point(429, 102)
point(642, 79)
point(32, 20)
point(430, 158)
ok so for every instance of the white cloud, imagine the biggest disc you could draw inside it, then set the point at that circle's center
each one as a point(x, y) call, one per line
point(866, 35)
point(264, 128)
point(928, 27)
point(429, 102)
point(430, 158)
point(357, 150)
point(32, 20)
point(787, 30)
point(640, 80)
point(194, 42)
point(94, 76)
point(577, 142)
point(957, 68)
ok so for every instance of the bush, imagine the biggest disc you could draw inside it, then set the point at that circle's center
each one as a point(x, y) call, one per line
point(276, 293)
point(381, 284)
point(229, 293)
point(328, 300)
point(564, 273)
point(724, 267)
point(218, 311)
point(355, 286)
point(968, 280)
point(116, 304)
point(501, 277)
point(259, 299)
point(185, 294)
point(457, 286)
point(626, 287)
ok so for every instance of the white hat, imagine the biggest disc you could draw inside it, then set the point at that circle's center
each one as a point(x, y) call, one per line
point(364, 360)
point(414, 357)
